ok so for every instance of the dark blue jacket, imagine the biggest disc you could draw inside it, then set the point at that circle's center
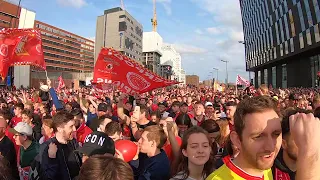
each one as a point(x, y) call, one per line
point(151, 168)
point(57, 168)
point(55, 99)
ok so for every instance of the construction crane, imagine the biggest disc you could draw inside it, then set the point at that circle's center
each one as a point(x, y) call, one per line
point(154, 19)
point(122, 5)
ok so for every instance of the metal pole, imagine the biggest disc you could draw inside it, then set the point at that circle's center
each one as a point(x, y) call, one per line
point(225, 61)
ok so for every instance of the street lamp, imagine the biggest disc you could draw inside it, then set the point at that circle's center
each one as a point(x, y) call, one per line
point(225, 61)
point(217, 72)
point(242, 42)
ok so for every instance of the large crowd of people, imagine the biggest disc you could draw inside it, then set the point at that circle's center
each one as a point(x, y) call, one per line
point(176, 133)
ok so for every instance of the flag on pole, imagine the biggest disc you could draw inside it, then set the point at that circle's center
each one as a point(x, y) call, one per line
point(242, 81)
point(61, 83)
point(20, 47)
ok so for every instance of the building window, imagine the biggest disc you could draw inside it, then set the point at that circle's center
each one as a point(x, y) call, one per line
point(303, 26)
point(277, 33)
point(259, 78)
point(316, 33)
point(275, 53)
point(317, 10)
point(281, 31)
point(284, 76)
point(274, 77)
point(291, 45)
point(286, 48)
point(281, 49)
point(309, 41)
point(293, 30)
point(286, 27)
point(308, 12)
point(265, 76)
point(301, 41)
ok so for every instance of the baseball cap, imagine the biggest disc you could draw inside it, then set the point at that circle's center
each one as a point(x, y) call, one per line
point(103, 107)
point(208, 104)
point(22, 128)
point(97, 143)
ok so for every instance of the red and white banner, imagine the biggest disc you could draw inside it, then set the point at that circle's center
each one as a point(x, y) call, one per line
point(61, 83)
point(242, 81)
point(129, 76)
point(20, 47)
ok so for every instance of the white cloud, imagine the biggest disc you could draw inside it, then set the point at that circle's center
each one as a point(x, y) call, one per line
point(72, 3)
point(214, 30)
point(220, 38)
point(198, 31)
point(188, 49)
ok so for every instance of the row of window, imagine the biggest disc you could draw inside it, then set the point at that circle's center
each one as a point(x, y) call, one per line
point(273, 76)
point(284, 28)
point(57, 31)
point(307, 38)
point(52, 36)
point(67, 52)
point(67, 64)
point(68, 58)
point(64, 69)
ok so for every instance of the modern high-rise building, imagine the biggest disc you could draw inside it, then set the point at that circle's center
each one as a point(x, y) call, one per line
point(171, 57)
point(281, 39)
point(66, 54)
point(116, 28)
point(152, 44)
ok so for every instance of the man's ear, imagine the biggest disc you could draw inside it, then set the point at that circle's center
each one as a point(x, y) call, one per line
point(235, 139)
point(284, 144)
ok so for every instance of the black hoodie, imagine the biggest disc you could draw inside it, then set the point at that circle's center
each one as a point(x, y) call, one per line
point(280, 170)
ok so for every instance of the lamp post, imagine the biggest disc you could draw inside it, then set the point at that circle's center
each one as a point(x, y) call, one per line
point(216, 69)
point(225, 61)
point(242, 42)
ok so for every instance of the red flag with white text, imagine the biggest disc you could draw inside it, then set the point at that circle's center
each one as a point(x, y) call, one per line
point(20, 47)
point(129, 76)
point(61, 83)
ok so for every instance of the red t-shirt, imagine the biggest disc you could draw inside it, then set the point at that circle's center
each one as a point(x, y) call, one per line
point(168, 149)
point(15, 120)
point(82, 132)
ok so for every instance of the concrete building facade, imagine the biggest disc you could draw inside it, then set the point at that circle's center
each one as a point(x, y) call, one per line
point(192, 80)
point(66, 54)
point(152, 43)
point(171, 57)
point(116, 28)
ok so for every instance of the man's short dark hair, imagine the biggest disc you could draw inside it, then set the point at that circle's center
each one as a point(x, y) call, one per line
point(285, 120)
point(144, 109)
point(249, 106)
point(231, 103)
point(19, 105)
point(77, 113)
point(5, 113)
point(61, 118)
point(28, 113)
point(112, 128)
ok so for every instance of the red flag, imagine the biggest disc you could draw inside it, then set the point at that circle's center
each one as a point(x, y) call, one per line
point(116, 68)
point(20, 47)
point(242, 81)
point(61, 83)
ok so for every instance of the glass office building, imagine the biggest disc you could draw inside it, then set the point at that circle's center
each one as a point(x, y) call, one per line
point(282, 41)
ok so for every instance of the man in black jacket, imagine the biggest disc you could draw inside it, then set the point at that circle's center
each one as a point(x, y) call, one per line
point(7, 149)
point(59, 160)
